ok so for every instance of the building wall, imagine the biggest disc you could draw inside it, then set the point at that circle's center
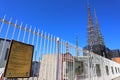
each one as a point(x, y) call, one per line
point(48, 67)
point(67, 67)
point(5, 52)
point(35, 69)
point(100, 74)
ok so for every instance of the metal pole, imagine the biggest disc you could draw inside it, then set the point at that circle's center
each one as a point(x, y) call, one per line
point(4, 42)
point(0, 33)
point(14, 30)
point(33, 38)
point(53, 47)
point(37, 50)
point(51, 43)
point(89, 66)
point(43, 52)
point(73, 68)
point(57, 56)
point(19, 31)
point(34, 52)
point(37, 41)
point(47, 56)
point(29, 34)
point(40, 56)
point(51, 56)
point(2, 23)
point(62, 60)
point(25, 33)
point(103, 68)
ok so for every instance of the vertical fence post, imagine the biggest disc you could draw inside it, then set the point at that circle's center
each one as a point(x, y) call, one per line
point(25, 32)
point(88, 57)
point(53, 47)
point(19, 31)
point(2, 23)
point(37, 50)
point(57, 50)
point(1, 31)
point(29, 34)
point(4, 42)
point(43, 52)
point(14, 30)
point(33, 39)
point(40, 48)
point(40, 55)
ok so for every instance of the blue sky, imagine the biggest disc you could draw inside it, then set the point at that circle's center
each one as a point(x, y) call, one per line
point(66, 18)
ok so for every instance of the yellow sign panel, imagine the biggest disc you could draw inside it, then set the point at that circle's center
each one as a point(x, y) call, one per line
point(19, 60)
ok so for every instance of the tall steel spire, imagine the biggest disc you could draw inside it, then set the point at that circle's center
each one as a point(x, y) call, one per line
point(91, 31)
point(67, 48)
point(99, 37)
point(77, 51)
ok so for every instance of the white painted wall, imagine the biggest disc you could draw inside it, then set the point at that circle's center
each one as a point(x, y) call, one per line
point(96, 59)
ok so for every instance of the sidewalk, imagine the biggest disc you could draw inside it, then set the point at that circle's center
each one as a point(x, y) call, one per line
point(118, 78)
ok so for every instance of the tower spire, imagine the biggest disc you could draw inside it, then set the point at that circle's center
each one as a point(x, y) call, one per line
point(67, 48)
point(91, 31)
point(99, 37)
point(77, 51)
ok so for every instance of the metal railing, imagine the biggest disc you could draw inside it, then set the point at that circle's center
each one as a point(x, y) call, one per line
point(53, 57)
point(50, 51)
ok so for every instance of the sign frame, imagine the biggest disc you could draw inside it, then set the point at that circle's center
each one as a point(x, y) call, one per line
point(7, 63)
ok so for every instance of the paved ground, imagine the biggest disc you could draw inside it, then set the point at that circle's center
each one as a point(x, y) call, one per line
point(118, 78)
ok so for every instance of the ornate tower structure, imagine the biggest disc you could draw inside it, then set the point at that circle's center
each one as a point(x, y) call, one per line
point(95, 38)
point(99, 47)
point(99, 37)
point(91, 30)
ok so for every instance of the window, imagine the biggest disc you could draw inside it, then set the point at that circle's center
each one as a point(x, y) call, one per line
point(79, 67)
point(116, 69)
point(98, 70)
point(107, 70)
point(6, 54)
point(112, 70)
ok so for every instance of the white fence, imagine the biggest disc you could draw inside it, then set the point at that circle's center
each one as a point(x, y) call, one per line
point(49, 50)
point(54, 58)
